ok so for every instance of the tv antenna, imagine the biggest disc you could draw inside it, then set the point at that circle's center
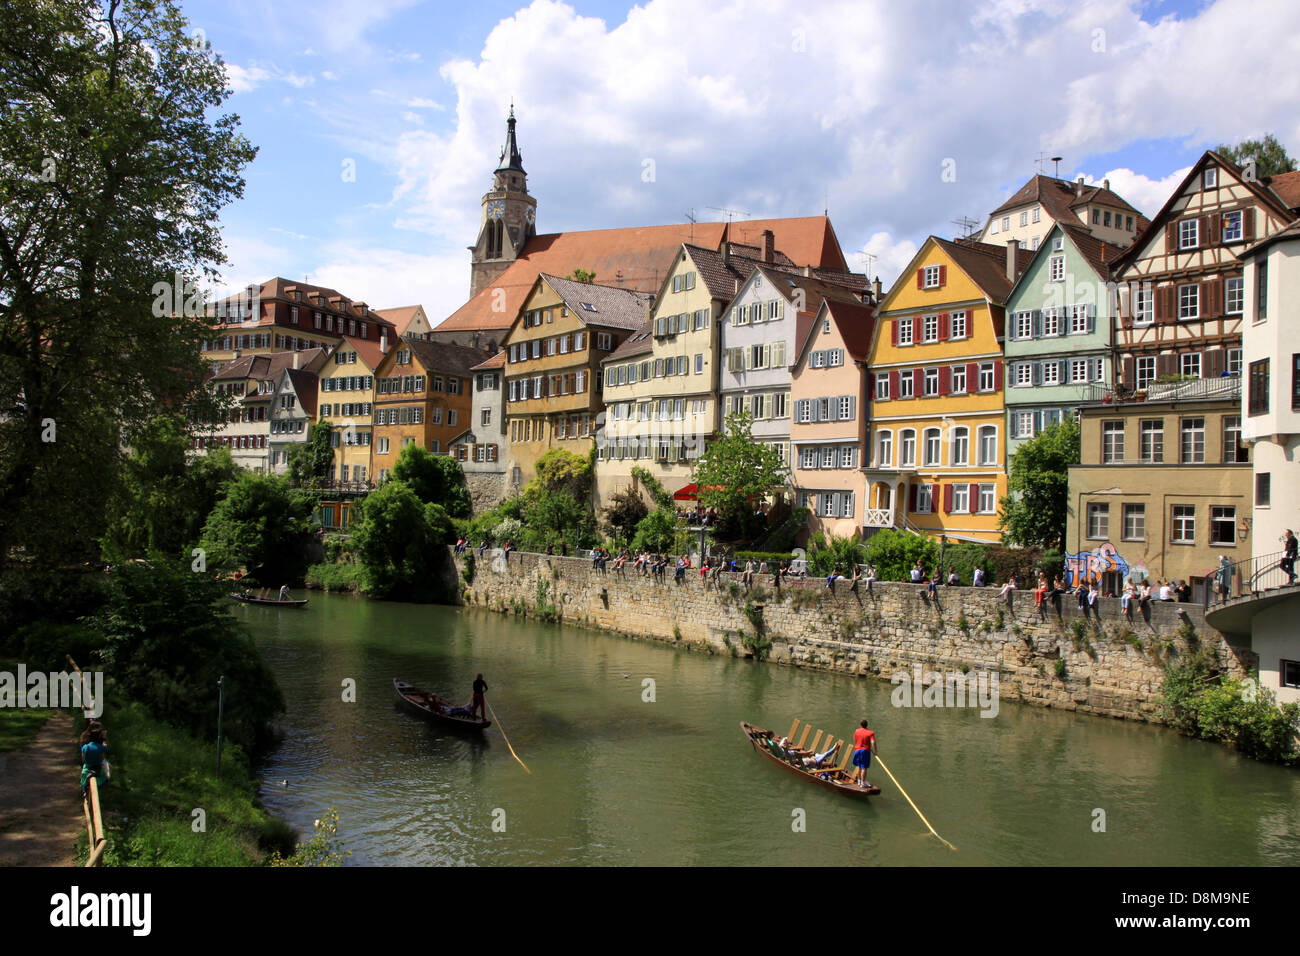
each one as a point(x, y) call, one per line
point(869, 257)
point(730, 212)
point(690, 217)
point(966, 224)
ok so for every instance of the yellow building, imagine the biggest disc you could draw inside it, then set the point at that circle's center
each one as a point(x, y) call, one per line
point(553, 372)
point(938, 442)
point(347, 395)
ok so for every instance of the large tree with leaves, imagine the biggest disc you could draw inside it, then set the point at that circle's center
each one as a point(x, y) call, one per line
point(735, 475)
point(1270, 156)
point(311, 462)
point(259, 526)
point(1036, 510)
point(435, 479)
point(115, 166)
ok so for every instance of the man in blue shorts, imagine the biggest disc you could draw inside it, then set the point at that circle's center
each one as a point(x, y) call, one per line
point(864, 745)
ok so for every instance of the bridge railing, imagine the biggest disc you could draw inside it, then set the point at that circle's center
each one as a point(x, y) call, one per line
point(1261, 573)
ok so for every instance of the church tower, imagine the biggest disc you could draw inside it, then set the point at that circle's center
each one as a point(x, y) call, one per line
point(509, 216)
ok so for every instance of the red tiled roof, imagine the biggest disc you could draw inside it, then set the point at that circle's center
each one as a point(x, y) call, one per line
point(1060, 198)
point(400, 318)
point(636, 258)
point(448, 359)
point(638, 343)
point(856, 324)
point(498, 360)
point(1287, 187)
point(986, 265)
point(368, 349)
point(305, 386)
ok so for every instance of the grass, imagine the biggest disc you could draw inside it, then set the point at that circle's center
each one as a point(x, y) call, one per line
point(20, 725)
point(160, 777)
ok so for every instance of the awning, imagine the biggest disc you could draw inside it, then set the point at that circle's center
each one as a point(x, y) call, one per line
point(687, 493)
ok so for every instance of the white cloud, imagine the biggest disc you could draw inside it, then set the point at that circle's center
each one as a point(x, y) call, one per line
point(1143, 192)
point(245, 79)
point(424, 103)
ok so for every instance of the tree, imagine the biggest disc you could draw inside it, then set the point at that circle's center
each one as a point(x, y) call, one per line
point(655, 532)
point(557, 502)
point(582, 275)
point(400, 543)
point(259, 524)
point(116, 166)
point(735, 475)
point(1270, 156)
point(1036, 510)
point(624, 513)
point(434, 478)
point(311, 463)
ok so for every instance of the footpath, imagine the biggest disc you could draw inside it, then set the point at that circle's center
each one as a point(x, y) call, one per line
point(40, 803)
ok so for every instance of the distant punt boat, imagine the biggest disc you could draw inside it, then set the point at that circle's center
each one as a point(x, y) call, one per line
point(269, 602)
point(425, 704)
point(829, 776)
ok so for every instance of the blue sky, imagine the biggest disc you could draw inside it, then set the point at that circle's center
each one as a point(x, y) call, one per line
point(379, 123)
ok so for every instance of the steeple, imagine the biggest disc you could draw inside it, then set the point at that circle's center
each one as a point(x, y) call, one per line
point(511, 148)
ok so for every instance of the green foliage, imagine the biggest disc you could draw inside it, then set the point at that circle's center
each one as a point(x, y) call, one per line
point(117, 163)
point(47, 645)
point(735, 474)
point(399, 543)
point(1060, 669)
point(546, 609)
point(259, 525)
point(1200, 702)
point(582, 275)
point(655, 532)
point(626, 510)
point(784, 535)
point(825, 555)
point(322, 848)
point(660, 495)
point(169, 636)
point(164, 494)
point(757, 644)
point(470, 566)
point(1037, 506)
point(1270, 156)
point(311, 462)
point(334, 577)
point(754, 614)
point(556, 504)
point(894, 552)
point(436, 479)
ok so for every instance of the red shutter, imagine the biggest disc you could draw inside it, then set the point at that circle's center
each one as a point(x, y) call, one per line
point(972, 378)
point(911, 498)
point(947, 499)
point(918, 382)
point(893, 383)
point(1171, 237)
point(871, 385)
point(920, 278)
point(943, 276)
point(916, 329)
point(997, 376)
point(945, 325)
point(1165, 304)
point(972, 497)
point(1130, 371)
point(934, 497)
point(1208, 232)
point(893, 332)
point(945, 380)
point(1212, 303)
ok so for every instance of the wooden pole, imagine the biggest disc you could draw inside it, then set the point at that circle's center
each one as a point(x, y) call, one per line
point(914, 806)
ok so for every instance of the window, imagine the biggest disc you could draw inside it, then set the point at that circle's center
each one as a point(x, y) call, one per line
point(986, 377)
point(1288, 673)
point(1024, 218)
point(1234, 296)
point(1257, 398)
point(1230, 226)
point(808, 458)
point(906, 383)
point(699, 364)
point(995, 227)
point(1024, 325)
point(930, 328)
point(1051, 322)
point(931, 278)
point(1189, 231)
point(884, 449)
point(1024, 374)
point(988, 445)
point(1193, 441)
point(1223, 524)
point(1098, 520)
point(882, 386)
point(1038, 213)
point(931, 382)
point(1146, 370)
point(1022, 425)
point(1263, 489)
point(381, 446)
point(1112, 442)
point(1096, 217)
point(1183, 524)
point(604, 341)
point(1056, 269)
point(1080, 319)
point(1151, 440)
point(1234, 452)
point(1210, 178)
point(1079, 369)
point(907, 448)
point(933, 454)
point(848, 456)
point(1135, 523)
point(961, 445)
point(1006, 223)
point(961, 498)
point(1261, 290)
point(1105, 217)
point(904, 327)
point(924, 500)
point(828, 457)
point(987, 504)
point(1189, 364)
point(958, 385)
point(1189, 301)
point(1234, 362)
point(957, 325)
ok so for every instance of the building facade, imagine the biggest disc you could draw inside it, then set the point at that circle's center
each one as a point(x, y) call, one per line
point(346, 401)
point(481, 450)
point(1044, 201)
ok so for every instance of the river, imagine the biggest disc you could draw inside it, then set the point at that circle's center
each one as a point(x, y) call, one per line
point(617, 779)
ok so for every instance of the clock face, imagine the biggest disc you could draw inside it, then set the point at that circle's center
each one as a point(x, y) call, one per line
point(496, 209)
point(530, 214)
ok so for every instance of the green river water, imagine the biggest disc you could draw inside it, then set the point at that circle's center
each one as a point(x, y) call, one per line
point(617, 780)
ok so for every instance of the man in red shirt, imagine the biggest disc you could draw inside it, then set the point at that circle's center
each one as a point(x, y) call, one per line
point(864, 745)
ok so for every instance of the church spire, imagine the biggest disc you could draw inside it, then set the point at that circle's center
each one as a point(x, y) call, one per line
point(510, 158)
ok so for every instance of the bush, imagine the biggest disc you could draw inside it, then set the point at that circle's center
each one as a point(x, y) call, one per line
point(46, 646)
point(895, 552)
point(1199, 702)
point(399, 545)
point(334, 577)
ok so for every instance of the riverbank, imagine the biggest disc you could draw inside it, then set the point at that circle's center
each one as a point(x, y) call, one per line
point(1102, 663)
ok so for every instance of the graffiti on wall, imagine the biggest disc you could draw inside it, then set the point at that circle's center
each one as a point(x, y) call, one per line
point(1091, 565)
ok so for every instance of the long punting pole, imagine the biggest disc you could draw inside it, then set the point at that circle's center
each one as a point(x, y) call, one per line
point(504, 737)
point(914, 806)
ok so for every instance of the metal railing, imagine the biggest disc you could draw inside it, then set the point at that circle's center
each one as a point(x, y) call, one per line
point(1258, 574)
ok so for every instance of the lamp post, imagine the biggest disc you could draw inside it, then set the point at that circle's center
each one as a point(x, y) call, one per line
point(221, 710)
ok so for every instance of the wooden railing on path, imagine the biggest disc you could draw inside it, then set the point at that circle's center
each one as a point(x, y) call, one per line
point(96, 841)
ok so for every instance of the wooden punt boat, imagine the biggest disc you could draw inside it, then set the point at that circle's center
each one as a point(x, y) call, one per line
point(830, 776)
point(422, 702)
point(268, 602)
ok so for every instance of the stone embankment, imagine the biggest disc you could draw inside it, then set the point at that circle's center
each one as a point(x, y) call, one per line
point(1099, 663)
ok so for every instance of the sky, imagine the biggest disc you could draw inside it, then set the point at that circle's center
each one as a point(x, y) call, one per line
point(379, 122)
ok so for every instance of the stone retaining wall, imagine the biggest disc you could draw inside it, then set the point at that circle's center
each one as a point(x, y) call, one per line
point(1111, 666)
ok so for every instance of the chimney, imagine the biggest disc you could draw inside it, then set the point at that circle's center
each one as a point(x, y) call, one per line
point(1105, 184)
point(1013, 260)
point(876, 289)
point(807, 271)
point(1078, 187)
point(297, 359)
point(769, 240)
point(726, 253)
point(383, 342)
